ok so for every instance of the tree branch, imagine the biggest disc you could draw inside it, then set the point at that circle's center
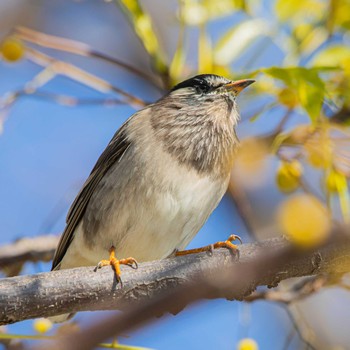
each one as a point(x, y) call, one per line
point(81, 289)
point(34, 249)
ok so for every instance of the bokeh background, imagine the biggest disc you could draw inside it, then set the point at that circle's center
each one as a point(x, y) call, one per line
point(48, 147)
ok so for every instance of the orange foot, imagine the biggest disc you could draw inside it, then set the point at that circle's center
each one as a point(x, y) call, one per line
point(116, 263)
point(209, 248)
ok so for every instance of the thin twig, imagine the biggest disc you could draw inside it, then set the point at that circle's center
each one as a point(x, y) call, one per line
point(76, 47)
point(70, 101)
point(34, 249)
point(79, 75)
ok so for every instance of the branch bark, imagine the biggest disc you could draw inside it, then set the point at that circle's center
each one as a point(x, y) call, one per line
point(34, 249)
point(81, 289)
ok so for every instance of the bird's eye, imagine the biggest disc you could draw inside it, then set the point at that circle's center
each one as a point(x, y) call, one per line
point(201, 83)
point(203, 87)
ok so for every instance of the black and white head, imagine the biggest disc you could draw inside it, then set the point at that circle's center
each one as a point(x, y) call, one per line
point(197, 120)
point(205, 85)
point(210, 91)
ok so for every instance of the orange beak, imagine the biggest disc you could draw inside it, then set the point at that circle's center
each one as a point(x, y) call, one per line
point(238, 85)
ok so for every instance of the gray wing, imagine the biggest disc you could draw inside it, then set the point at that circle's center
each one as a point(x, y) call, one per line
point(114, 151)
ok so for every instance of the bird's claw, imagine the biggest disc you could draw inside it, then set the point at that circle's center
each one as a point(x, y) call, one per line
point(115, 263)
point(210, 248)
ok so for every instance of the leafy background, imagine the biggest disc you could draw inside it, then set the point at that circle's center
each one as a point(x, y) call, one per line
point(294, 134)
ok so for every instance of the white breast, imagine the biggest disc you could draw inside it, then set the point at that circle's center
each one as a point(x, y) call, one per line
point(168, 207)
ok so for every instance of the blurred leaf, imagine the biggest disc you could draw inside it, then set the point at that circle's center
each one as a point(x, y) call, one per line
point(338, 15)
point(247, 344)
point(178, 61)
point(319, 148)
point(12, 49)
point(336, 183)
point(313, 40)
point(307, 84)
point(42, 325)
point(205, 53)
point(142, 25)
point(305, 220)
point(288, 176)
point(301, 10)
point(195, 12)
point(233, 43)
point(288, 97)
point(334, 55)
point(222, 70)
point(219, 8)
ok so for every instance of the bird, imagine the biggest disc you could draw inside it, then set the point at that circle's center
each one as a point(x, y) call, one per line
point(158, 180)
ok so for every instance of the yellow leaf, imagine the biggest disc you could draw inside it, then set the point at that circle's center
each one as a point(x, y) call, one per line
point(319, 149)
point(247, 344)
point(193, 13)
point(288, 97)
point(143, 27)
point(12, 49)
point(336, 182)
point(287, 10)
point(313, 40)
point(178, 61)
point(233, 43)
point(338, 15)
point(288, 176)
point(304, 220)
point(205, 59)
point(42, 325)
point(336, 55)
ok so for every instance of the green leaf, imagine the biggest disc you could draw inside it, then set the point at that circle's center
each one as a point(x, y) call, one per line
point(307, 84)
point(233, 43)
point(280, 73)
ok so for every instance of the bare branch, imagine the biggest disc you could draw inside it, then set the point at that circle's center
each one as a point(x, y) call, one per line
point(14, 255)
point(217, 276)
point(297, 292)
point(50, 294)
point(76, 47)
point(79, 75)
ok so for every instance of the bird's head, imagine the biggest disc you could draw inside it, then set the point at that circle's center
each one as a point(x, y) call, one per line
point(208, 85)
point(197, 120)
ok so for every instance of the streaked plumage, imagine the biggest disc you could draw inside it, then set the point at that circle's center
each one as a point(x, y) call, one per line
point(158, 180)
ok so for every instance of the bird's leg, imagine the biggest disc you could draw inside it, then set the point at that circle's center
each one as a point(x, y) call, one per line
point(115, 263)
point(209, 248)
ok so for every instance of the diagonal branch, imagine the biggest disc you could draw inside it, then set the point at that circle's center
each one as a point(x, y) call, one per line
point(75, 73)
point(76, 47)
point(261, 264)
point(81, 289)
point(33, 249)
